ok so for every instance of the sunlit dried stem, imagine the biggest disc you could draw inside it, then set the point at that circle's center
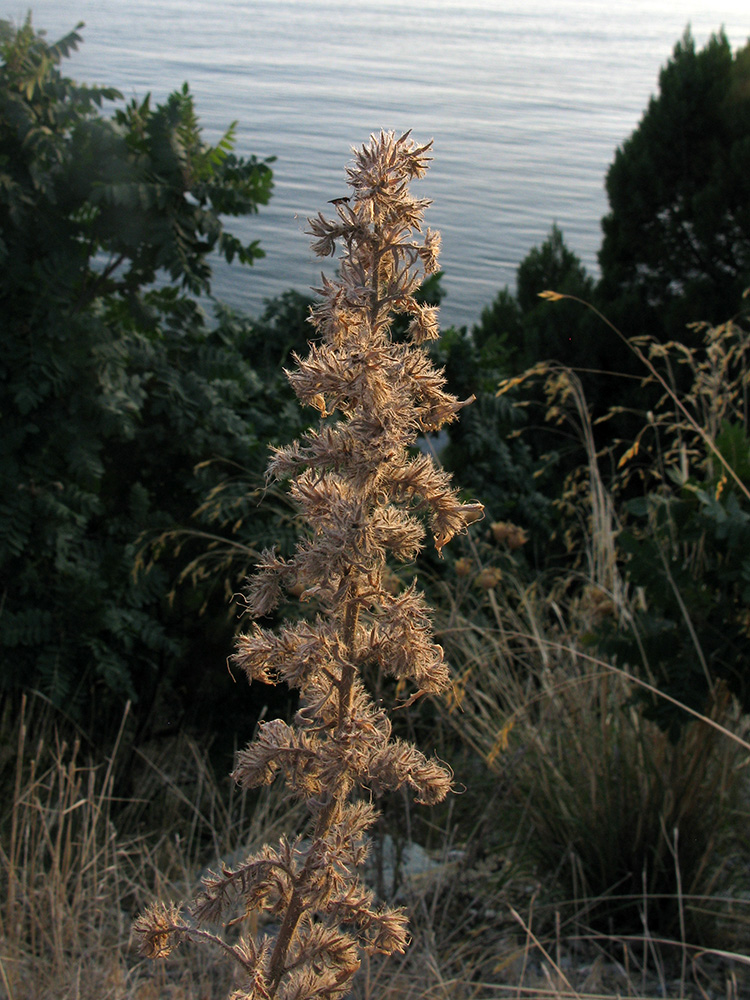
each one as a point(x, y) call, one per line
point(366, 499)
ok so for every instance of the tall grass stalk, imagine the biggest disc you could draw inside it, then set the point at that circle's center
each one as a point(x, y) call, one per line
point(706, 434)
point(61, 850)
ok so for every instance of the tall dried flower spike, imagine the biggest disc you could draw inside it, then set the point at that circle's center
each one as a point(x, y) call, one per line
point(364, 498)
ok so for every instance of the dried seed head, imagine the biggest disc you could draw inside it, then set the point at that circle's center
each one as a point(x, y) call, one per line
point(365, 499)
point(489, 577)
point(508, 534)
point(160, 929)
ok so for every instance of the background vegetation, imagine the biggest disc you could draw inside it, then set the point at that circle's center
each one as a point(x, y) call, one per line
point(597, 624)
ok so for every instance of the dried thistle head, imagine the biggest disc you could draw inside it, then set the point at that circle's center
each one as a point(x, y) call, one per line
point(510, 535)
point(367, 500)
point(159, 930)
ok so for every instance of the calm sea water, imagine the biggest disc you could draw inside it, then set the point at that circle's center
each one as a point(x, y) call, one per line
point(526, 101)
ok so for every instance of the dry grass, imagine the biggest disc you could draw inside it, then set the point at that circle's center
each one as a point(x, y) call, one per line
point(78, 861)
point(639, 843)
point(76, 858)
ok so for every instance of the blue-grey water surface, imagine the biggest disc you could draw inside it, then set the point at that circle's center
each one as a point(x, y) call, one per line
point(525, 101)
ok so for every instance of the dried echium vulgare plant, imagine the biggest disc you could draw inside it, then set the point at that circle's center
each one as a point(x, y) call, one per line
point(365, 497)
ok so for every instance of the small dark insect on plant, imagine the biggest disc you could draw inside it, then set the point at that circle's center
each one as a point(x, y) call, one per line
point(367, 501)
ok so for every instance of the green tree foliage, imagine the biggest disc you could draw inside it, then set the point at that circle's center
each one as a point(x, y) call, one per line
point(517, 331)
point(112, 384)
point(221, 543)
point(677, 238)
point(548, 333)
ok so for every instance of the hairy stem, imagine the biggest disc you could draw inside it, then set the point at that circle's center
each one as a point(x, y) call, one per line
point(286, 932)
point(325, 817)
point(351, 616)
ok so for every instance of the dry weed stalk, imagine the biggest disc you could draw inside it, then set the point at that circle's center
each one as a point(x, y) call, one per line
point(363, 497)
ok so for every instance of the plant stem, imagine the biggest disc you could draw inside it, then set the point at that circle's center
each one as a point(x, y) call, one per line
point(286, 932)
point(325, 817)
point(351, 616)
